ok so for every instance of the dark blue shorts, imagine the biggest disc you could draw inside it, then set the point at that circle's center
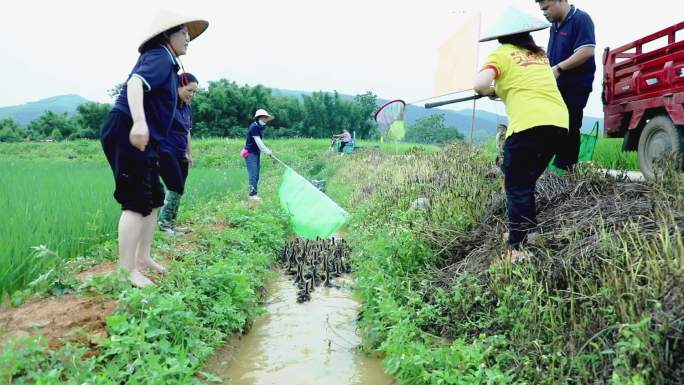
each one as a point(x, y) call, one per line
point(174, 171)
point(136, 173)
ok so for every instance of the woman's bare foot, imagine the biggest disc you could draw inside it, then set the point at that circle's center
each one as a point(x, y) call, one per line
point(519, 256)
point(150, 264)
point(139, 280)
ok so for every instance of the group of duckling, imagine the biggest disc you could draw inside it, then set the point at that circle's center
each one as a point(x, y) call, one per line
point(312, 263)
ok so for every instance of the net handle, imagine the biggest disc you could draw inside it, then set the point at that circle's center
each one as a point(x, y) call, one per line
point(452, 101)
point(279, 161)
point(375, 116)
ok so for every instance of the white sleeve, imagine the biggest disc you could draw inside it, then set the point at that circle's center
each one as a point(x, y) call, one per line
point(261, 145)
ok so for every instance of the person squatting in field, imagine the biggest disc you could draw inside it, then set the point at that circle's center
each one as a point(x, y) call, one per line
point(133, 130)
point(175, 157)
point(537, 115)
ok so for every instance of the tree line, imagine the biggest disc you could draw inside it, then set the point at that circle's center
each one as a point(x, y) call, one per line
point(224, 109)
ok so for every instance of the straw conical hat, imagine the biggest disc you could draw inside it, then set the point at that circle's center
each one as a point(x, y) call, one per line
point(261, 112)
point(512, 22)
point(166, 20)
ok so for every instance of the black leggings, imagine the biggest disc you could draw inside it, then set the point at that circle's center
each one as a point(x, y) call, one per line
point(526, 156)
point(174, 171)
point(567, 151)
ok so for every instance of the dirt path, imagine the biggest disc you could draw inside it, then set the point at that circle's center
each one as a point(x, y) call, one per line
point(68, 318)
point(73, 317)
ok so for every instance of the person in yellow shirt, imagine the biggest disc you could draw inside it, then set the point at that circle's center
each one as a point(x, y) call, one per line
point(538, 118)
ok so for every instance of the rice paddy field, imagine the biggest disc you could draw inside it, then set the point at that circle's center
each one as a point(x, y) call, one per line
point(66, 206)
point(608, 154)
point(58, 196)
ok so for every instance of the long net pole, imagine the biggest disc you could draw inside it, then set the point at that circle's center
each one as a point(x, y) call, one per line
point(477, 53)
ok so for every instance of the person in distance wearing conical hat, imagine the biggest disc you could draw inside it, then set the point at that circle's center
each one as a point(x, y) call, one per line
point(132, 131)
point(254, 147)
point(537, 117)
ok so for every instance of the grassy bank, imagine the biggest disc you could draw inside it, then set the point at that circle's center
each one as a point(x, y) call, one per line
point(599, 302)
point(162, 335)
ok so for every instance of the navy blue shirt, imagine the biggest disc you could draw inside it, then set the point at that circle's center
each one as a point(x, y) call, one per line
point(255, 129)
point(575, 32)
point(176, 141)
point(157, 68)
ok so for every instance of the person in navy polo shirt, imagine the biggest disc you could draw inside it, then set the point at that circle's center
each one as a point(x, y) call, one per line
point(176, 155)
point(571, 54)
point(254, 146)
point(139, 120)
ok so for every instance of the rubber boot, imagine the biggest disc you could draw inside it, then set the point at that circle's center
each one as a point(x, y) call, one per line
point(167, 216)
point(176, 228)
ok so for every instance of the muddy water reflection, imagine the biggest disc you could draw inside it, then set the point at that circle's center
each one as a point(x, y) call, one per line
point(302, 344)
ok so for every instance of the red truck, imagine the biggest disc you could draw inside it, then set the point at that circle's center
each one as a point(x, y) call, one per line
point(643, 95)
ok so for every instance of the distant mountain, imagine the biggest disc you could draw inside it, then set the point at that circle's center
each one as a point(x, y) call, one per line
point(25, 113)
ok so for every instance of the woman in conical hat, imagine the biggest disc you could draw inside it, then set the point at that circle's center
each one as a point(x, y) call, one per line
point(537, 117)
point(254, 147)
point(131, 133)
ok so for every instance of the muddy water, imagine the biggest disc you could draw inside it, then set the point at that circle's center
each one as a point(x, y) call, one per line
point(301, 344)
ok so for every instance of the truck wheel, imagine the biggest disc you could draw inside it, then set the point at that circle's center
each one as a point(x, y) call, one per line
point(659, 138)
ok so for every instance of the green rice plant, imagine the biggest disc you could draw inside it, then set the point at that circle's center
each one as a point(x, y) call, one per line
point(609, 154)
point(67, 207)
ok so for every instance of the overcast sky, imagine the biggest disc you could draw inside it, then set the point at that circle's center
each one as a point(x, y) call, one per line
point(352, 46)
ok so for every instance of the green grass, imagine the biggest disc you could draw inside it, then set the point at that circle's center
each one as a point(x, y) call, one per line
point(608, 154)
point(607, 316)
point(164, 334)
point(73, 150)
point(68, 207)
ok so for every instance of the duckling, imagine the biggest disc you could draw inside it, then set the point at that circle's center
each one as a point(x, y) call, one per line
point(306, 294)
point(289, 265)
point(324, 268)
point(303, 296)
point(336, 269)
point(326, 281)
point(299, 277)
point(310, 286)
point(314, 277)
